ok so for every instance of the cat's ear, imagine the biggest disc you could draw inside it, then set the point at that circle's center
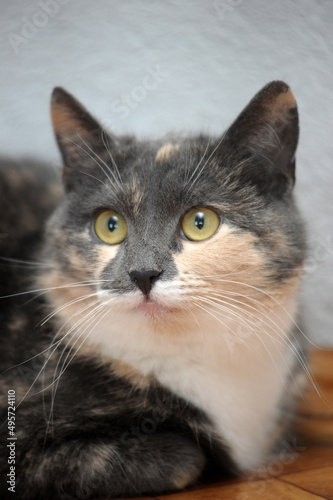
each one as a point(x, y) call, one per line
point(265, 135)
point(80, 137)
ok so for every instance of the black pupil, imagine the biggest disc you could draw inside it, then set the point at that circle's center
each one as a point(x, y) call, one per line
point(199, 220)
point(113, 223)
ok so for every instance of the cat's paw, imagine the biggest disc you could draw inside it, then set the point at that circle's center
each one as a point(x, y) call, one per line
point(164, 462)
point(188, 474)
point(79, 470)
point(187, 467)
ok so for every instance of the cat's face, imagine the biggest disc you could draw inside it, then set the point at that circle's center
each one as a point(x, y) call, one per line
point(166, 230)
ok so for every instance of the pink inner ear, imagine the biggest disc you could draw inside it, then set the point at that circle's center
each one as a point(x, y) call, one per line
point(78, 134)
point(63, 121)
point(69, 116)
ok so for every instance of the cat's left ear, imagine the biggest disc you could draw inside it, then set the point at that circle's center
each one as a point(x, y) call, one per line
point(80, 137)
point(265, 136)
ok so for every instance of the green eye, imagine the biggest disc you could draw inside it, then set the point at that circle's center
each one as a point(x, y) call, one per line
point(110, 227)
point(200, 223)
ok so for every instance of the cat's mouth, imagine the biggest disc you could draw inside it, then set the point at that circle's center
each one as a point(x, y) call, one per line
point(155, 310)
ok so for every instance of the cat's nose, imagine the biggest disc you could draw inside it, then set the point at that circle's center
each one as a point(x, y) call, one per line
point(145, 279)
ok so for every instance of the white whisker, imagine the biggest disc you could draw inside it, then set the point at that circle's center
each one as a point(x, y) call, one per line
point(27, 263)
point(41, 291)
point(201, 159)
point(256, 326)
point(107, 147)
point(99, 159)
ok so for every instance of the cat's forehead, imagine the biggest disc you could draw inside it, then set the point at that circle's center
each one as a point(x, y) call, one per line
point(164, 154)
point(165, 170)
point(164, 163)
point(142, 178)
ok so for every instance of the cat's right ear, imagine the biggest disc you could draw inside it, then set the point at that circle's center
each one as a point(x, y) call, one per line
point(80, 137)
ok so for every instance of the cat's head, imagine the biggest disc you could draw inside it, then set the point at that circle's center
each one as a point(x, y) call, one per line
point(169, 229)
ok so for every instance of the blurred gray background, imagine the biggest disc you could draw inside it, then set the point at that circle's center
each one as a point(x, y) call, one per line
point(147, 67)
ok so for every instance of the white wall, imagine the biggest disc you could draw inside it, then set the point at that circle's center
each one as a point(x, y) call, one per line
point(211, 56)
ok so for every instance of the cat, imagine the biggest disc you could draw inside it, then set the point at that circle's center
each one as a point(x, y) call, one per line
point(149, 324)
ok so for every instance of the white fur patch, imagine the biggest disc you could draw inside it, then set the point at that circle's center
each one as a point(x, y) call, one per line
point(236, 378)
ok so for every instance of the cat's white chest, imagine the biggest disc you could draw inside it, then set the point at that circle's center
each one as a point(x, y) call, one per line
point(239, 395)
point(237, 383)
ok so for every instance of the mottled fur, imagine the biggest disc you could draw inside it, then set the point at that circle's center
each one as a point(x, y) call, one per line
point(119, 395)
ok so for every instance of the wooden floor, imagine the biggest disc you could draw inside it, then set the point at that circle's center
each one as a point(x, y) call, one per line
point(305, 472)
